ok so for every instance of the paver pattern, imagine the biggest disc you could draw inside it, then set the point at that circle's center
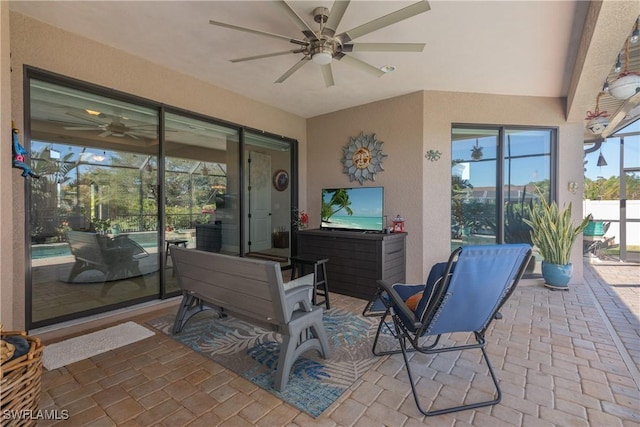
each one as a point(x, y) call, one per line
point(562, 357)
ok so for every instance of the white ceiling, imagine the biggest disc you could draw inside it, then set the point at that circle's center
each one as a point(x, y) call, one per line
point(500, 47)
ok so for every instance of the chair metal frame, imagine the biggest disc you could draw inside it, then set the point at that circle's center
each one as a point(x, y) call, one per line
point(407, 327)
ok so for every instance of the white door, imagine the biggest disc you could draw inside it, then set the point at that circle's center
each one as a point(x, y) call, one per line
point(258, 172)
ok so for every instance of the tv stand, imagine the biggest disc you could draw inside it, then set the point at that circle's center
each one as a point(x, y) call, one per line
point(357, 259)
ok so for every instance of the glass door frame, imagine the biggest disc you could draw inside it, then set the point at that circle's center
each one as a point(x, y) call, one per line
point(30, 73)
point(500, 172)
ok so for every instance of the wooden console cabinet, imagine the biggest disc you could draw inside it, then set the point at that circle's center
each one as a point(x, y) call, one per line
point(357, 260)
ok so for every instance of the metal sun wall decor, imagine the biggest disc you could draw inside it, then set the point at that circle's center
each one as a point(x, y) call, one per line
point(362, 157)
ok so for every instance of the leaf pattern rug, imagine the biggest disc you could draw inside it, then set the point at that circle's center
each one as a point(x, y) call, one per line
point(252, 352)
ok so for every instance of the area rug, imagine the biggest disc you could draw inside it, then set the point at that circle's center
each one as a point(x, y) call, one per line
point(252, 352)
point(83, 347)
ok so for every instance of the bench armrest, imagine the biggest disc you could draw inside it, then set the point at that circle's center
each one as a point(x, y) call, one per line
point(297, 298)
point(304, 280)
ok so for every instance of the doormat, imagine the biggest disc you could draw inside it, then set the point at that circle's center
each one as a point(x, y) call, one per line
point(83, 347)
point(252, 352)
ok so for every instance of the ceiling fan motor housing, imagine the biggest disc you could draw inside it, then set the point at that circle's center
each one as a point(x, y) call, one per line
point(320, 15)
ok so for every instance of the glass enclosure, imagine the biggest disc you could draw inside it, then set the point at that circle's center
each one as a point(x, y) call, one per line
point(612, 196)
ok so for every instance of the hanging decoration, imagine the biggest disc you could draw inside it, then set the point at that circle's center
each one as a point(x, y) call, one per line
point(476, 151)
point(598, 120)
point(628, 82)
point(19, 154)
point(601, 160)
point(433, 155)
point(362, 157)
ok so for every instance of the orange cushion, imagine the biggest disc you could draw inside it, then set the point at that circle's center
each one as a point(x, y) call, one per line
point(413, 300)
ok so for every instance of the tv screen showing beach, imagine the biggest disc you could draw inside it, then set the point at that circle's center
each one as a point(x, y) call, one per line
point(353, 208)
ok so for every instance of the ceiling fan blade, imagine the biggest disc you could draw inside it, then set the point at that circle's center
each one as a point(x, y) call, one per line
point(262, 33)
point(383, 47)
point(84, 117)
point(335, 16)
point(81, 128)
point(360, 64)
point(105, 133)
point(266, 55)
point(302, 24)
point(385, 21)
point(131, 135)
point(327, 73)
point(292, 70)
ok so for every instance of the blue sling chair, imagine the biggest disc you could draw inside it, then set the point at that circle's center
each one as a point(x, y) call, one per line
point(461, 295)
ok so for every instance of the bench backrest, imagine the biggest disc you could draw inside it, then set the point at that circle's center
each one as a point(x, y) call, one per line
point(244, 286)
point(86, 246)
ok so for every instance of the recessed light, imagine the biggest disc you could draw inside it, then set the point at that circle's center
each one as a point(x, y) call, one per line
point(387, 68)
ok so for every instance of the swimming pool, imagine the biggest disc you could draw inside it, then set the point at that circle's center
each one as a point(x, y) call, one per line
point(147, 240)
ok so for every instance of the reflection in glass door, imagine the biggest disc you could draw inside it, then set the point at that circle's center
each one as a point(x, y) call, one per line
point(93, 213)
point(267, 198)
point(201, 187)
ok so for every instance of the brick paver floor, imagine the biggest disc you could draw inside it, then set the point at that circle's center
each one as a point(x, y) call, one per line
point(564, 358)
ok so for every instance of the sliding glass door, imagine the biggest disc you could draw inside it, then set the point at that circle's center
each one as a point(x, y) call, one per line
point(93, 211)
point(201, 188)
point(123, 181)
point(267, 197)
point(497, 173)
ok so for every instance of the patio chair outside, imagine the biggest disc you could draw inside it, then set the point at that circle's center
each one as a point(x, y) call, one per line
point(465, 297)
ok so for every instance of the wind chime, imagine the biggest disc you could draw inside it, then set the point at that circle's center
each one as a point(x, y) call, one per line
point(598, 120)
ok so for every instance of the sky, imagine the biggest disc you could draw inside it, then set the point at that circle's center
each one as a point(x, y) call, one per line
point(365, 201)
point(611, 152)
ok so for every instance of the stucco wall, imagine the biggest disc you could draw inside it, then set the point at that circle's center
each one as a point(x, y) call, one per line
point(6, 207)
point(417, 188)
point(441, 109)
point(398, 123)
point(43, 46)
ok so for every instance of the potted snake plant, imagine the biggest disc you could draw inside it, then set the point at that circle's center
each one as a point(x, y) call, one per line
point(554, 233)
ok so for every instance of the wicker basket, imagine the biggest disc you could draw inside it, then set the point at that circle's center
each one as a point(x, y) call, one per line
point(20, 380)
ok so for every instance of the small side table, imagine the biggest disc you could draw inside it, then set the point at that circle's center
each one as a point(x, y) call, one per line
point(174, 242)
point(320, 286)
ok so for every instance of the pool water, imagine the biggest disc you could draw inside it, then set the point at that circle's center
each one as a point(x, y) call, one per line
point(62, 249)
point(50, 250)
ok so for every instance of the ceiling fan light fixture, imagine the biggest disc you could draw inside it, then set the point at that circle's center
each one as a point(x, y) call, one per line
point(322, 57)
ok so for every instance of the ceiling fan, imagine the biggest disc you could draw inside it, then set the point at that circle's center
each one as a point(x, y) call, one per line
point(114, 127)
point(324, 45)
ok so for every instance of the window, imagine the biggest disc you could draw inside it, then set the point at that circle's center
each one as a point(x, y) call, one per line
point(496, 174)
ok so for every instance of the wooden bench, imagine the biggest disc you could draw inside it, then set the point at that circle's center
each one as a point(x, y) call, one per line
point(251, 290)
point(116, 257)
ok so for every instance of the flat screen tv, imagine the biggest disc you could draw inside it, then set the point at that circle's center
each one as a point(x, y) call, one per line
point(358, 209)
